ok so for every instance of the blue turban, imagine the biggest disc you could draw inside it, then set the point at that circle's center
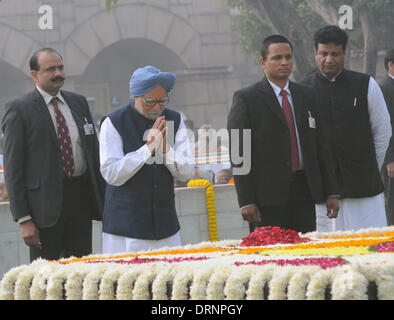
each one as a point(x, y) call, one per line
point(147, 78)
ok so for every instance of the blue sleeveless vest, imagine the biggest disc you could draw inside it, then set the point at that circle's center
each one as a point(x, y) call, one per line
point(144, 206)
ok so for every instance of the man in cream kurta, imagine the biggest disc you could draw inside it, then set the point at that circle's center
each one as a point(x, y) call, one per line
point(353, 108)
point(366, 212)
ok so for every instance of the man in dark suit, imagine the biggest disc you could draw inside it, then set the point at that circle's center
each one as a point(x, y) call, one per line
point(387, 86)
point(290, 156)
point(51, 164)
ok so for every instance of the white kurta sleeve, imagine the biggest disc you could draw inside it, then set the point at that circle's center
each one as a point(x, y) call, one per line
point(115, 166)
point(379, 119)
point(179, 160)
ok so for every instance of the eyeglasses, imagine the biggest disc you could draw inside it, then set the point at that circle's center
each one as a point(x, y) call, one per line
point(162, 102)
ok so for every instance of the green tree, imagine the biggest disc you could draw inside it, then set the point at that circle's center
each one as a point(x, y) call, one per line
point(110, 3)
point(299, 19)
point(279, 17)
point(373, 28)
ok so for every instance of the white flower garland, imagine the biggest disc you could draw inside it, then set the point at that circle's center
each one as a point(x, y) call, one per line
point(260, 277)
point(91, 284)
point(43, 271)
point(55, 287)
point(38, 287)
point(23, 284)
point(235, 285)
point(214, 284)
point(198, 289)
point(7, 286)
point(215, 287)
point(318, 283)
point(126, 284)
point(215, 277)
point(297, 286)
point(180, 285)
point(279, 283)
point(74, 285)
point(159, 285)
point(108, 280)
point(383, 276)
point(349, 285)
point(141, 287)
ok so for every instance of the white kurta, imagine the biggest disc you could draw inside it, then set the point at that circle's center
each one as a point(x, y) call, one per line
point(117, 168)
point(368, 212)
point(115, 244)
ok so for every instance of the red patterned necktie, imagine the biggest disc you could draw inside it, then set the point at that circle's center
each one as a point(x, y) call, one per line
point(295, 161)
point(64, 140)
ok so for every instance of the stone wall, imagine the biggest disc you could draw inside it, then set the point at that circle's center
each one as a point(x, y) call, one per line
point(192, 213)
point(193, 38)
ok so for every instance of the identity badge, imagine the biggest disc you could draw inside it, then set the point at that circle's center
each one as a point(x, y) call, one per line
point(312, 122)
point(88, 127)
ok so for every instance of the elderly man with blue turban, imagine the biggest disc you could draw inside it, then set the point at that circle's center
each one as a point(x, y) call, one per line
point(139, 162)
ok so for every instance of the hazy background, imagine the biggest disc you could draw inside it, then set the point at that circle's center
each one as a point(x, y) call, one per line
point(212, 45)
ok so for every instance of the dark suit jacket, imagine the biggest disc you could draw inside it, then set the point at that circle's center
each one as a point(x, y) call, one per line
point(33, 165)
point(267, 184)
point(387, 86)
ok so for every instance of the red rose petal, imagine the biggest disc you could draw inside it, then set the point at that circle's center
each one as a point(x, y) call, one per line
point(272, 235)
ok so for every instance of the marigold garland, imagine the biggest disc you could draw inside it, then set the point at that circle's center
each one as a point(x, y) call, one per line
point(367, 232)
point(322, 245)
point(153, 253)
point(211, 207)
point(367, 235)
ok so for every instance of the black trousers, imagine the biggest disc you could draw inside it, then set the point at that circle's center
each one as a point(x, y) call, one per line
point(72, 234)
point(298, 213)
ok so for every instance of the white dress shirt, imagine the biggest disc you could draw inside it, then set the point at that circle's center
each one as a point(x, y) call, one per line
point(117, 167)
point(277, 91)
point(79, 161)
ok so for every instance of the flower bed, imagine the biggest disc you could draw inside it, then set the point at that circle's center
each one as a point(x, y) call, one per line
point(271, 263)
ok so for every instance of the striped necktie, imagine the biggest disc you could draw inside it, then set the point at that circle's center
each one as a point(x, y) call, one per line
point(295, 160)
point(64, 140)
